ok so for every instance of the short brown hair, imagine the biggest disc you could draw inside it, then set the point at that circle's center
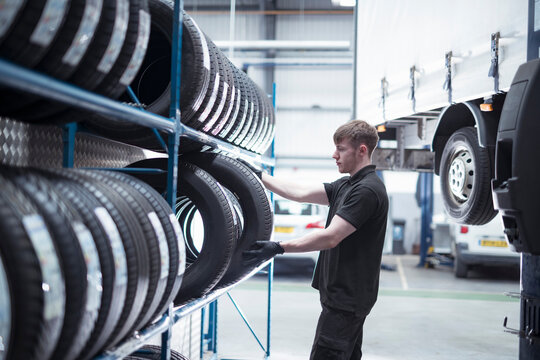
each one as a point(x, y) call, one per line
point(358, 132)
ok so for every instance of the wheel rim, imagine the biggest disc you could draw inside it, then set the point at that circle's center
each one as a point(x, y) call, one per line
point(461, 175)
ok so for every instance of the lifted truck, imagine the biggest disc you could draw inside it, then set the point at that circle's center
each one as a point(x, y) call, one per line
point(434, 75)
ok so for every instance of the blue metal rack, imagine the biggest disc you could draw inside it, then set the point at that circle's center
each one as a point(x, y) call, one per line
point(19, 78)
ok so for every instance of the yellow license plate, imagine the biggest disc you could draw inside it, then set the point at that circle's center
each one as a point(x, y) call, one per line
point(493, 243)
point(284, 229)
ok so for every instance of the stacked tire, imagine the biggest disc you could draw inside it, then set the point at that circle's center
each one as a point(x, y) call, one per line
point(95, 44)
point(222, 208)
point(153, 352)
point(104, 46)
point(87, 258)
point(216, 97)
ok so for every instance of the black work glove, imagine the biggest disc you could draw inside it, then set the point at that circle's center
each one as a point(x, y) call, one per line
point(261, 251)
point(257, 172)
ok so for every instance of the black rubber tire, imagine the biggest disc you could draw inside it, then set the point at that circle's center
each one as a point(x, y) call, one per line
point(19, 47)
point(231, 132)
point(97, 62)
point(210, 95)
point(260, 145)
point(137, 260)
point(219, 242)
point(242, 134)
point(238, 214)
point(464, 162)
point(160, 243)
point(105, 48)
point(6, 299)
point(32, 335)
point(28, 42)
point(146, 247)
point(152, 83)
point(112, 221)
point(460, 268)
point(271, 131)
point(186, 210)
point(113, 294)
point(263, 121)
point(129, 60)
point(153, 352)
point(63, 57)
point(14, 11)
point(177, 253)
point(250, 193)
point(227, 121)
point(224, 92)
point(67, 236)
point(255, 123)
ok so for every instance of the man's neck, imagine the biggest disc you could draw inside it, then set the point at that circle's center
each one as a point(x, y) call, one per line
point(359, 167)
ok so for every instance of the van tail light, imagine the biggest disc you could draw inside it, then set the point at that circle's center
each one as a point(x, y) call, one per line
point(464, 229)
point(316, 225)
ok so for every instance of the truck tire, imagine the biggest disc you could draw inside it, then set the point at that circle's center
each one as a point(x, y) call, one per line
point(460, 268)
point(466, 172)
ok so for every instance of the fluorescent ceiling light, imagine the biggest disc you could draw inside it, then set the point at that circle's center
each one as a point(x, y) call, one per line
point(344, 2)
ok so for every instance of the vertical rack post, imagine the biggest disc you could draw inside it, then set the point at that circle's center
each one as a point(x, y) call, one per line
point(173, 139)
point(174, 112)
point(68, 138)
point(426, 204)
point(271, 265)
point(269, 307)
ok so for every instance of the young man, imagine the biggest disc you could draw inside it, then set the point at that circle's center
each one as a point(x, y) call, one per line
point(347, 272)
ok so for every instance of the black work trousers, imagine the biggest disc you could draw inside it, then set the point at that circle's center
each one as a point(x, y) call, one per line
point(338, 335)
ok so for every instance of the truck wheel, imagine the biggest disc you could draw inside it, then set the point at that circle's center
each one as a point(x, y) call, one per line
point(466, 171)
point(460, 268)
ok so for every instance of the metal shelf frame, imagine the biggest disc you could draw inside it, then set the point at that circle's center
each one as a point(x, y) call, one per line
point(29, 81)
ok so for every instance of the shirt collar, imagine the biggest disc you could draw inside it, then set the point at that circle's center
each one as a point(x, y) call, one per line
point(360, 174)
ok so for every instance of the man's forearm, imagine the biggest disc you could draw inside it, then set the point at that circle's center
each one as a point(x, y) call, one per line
point(322, 239)
point(295, 191)
point(314, 241)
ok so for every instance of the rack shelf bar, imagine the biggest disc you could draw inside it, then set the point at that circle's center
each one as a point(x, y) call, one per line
point(197, 304)
point(26, 80)
point(23, 79)
point(141, 338)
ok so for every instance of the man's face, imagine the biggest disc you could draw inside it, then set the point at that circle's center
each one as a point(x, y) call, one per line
point(346, 156)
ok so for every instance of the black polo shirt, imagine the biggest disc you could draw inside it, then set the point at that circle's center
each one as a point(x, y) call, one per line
point(347, 276)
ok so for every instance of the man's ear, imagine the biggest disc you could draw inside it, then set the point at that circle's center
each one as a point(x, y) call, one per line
point(362, 149)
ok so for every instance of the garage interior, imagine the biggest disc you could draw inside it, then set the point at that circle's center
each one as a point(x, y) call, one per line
point(301, 60)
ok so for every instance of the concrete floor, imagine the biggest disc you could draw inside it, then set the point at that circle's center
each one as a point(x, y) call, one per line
point(420, 314)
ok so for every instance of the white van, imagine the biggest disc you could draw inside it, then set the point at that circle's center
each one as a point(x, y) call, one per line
point(293, 220)
point(481, 245)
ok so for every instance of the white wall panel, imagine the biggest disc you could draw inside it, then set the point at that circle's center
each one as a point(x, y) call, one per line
point(315, 27)
point(307, 133)
point(247, 27)
point(314, 86)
